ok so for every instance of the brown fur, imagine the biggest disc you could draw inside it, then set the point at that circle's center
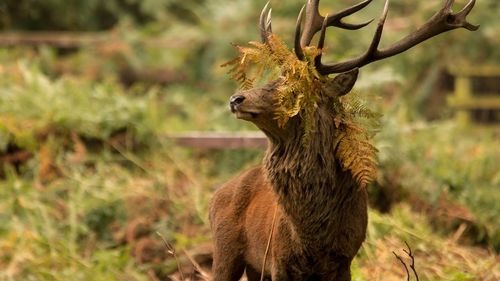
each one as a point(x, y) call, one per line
point(321, 213)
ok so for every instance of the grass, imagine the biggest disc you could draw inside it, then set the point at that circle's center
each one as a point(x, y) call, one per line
point(459, 165)
point(437, 257)
point(86, 205)
point(35, 105)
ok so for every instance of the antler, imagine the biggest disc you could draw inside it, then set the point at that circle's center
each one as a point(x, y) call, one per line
point(444, 20)
point(314, 22)
point(265, 23)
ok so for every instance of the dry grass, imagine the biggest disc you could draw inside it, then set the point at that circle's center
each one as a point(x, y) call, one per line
point(436, 257)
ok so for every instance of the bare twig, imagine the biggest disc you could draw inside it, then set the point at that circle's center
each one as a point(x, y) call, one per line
point(412, 265)
point(172, 252)
point(404, 264)
point(192, 275)
point(197, 268)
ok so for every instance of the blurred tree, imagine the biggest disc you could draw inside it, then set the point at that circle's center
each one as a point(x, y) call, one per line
point(90, 15)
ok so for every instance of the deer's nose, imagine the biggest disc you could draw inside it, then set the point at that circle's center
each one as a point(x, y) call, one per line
point(236, 100)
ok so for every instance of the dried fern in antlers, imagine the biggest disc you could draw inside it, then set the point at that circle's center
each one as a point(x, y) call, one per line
point(298, 94)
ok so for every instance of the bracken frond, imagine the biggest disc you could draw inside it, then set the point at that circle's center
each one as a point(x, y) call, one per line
point(357, 156)
point(298, 95)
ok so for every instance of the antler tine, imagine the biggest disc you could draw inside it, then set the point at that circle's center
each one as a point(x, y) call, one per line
point(327, 69)
point(297, 47)
point(463, 13)
point(314, 20)
point(378, 32)
point(268, 22)
point(321, 43)
point(444, 20)
point(265, 23)
point(336, 19)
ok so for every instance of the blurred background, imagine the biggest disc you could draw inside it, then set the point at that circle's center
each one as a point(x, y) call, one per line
point(102, 178)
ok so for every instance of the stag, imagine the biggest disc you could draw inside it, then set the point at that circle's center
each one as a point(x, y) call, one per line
point(300, 216)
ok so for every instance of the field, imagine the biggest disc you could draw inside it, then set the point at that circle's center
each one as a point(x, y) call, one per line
point(93, 188)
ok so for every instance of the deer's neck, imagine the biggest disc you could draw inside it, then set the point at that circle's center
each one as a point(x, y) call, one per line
point(313, 191)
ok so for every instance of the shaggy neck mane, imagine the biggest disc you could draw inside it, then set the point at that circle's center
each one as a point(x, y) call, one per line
point(310, 184)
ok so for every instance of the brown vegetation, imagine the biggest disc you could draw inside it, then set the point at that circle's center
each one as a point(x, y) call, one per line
point(302, 215)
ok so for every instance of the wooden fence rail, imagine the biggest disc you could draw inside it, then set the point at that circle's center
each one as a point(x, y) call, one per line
point(68, 40)
point(220, 140)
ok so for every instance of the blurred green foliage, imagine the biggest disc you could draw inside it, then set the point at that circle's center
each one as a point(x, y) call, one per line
point(35, 105)
point(101, 178)
point(430, 162)
point(92, 14)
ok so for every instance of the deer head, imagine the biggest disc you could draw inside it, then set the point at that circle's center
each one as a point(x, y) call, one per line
point(257, 105)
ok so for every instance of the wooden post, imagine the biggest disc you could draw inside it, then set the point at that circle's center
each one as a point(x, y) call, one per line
point(466, 102)
point(463, 96)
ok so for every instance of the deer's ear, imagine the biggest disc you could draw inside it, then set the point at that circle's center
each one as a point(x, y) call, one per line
point(342, 83)
point(345, 81)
